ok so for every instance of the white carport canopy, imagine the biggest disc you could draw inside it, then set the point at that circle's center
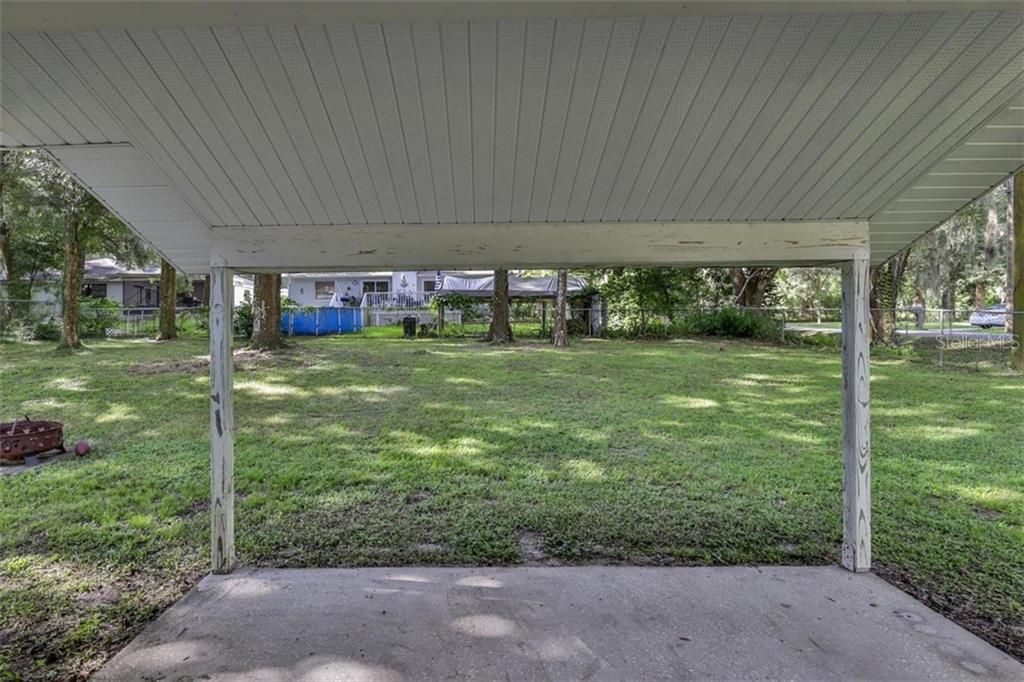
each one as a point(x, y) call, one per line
point(288, 136)
point(482, 286)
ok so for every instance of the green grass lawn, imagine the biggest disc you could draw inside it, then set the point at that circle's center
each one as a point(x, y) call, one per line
point(358, 451)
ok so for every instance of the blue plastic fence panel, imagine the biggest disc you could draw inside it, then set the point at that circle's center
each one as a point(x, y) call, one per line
point(321, 321)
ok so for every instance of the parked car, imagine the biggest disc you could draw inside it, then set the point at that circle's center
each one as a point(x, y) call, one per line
point(992, 316)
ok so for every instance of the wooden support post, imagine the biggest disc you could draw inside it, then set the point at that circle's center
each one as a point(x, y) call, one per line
point(856, 416)
point(1015, 316)
point(222, 420)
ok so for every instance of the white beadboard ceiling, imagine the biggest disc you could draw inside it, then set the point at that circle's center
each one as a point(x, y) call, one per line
point(894, 117)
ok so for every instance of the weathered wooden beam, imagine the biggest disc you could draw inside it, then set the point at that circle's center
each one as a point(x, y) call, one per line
point(222, 439)
point(856, 415)
point(524, 245)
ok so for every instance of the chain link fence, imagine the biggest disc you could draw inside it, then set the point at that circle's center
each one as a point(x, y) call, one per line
point(41, 320)
point(972, 339)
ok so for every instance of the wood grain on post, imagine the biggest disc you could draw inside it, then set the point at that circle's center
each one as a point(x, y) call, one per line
point(1015, 316)
point(856, 416)
point(222, 439)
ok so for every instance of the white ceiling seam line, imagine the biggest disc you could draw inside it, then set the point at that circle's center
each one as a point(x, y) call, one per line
point(116, 48)
point(707, 206)
point(114, 211)
point(170, 168)
point(242, 111)
point(813, 108)
point(39, 48)
point(223, 152)
point(926, 62)
point(1007, 93)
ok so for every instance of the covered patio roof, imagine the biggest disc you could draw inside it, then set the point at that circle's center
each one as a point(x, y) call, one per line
point(290, 136)
point(281, 135)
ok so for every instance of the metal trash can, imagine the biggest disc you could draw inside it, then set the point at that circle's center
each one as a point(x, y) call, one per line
point(409, 326)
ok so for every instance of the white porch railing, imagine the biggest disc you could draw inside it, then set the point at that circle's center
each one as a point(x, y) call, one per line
point(397, 300)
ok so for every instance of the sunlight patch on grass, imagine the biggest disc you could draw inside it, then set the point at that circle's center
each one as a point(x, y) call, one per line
point(269, 389)
point(369, 394)
point(465, 381)
point(989, 496)
point(689, 402)
point(417, 446)
point(68, 384)
point(117, 412)
point(585, 470)
point(943, 433)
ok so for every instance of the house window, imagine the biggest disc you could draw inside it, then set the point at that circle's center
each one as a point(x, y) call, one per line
point(95, 290)
point(376, 286)
point(430, 285)
point(324, 289)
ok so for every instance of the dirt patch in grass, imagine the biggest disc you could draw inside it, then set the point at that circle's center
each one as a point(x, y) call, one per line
point(531, 549)
point(81, 632)
point(988, 514)
point(1005, 632)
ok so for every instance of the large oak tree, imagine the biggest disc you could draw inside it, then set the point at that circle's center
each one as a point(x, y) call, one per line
point(501, 325)
point(561, 336)
point(168, 299)
point(266, 313)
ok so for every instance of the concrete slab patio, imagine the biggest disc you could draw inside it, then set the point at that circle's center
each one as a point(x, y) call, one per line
point(605, 623)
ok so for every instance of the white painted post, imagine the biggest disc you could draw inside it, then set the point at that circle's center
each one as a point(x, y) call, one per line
point(856, 416)
point(222, 420)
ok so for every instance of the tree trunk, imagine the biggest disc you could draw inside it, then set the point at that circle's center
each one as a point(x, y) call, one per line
point(5, 245)
point(5, 228)
point(168, 297)
point(561, 336)
point(206, 291)
point(74, 263)
point(991, 251)
point(501, 326)
point(1017, 307)
point(886, 282)
point(266, 313)
point(980, 295)
point(750, 285)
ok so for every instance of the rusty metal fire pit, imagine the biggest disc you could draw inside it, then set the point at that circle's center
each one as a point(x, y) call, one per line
point(24, 437)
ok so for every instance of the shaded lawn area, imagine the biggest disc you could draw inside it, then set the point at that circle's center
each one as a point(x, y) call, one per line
point(372, 451)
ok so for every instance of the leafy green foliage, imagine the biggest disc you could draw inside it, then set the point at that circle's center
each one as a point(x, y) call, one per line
point(971, 248)
point(97, 316)
point(242, 320)
point(733, 323)
point(726, 322)
point(638, 293)
point(455, 301)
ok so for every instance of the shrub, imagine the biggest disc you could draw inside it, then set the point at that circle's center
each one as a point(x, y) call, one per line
point(243, 320)
point(731, 322)
point(97, 315)
point(46, 331)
